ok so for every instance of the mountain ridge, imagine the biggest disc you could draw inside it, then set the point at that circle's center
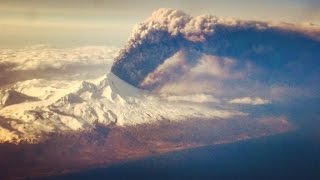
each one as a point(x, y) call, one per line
point(107, 100)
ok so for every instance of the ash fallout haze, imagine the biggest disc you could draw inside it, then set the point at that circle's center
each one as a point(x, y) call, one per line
point(93, 89)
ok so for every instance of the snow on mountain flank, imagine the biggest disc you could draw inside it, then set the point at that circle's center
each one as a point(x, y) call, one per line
point(77, 106)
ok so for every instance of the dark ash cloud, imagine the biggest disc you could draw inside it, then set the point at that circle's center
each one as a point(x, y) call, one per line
point(284, 52)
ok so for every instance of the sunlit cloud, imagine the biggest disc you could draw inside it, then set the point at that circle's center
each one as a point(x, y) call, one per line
point(196, 98)
point(249, 101)
point(43, 57)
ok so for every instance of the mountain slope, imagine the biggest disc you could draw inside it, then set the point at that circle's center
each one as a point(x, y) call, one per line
point(107, 100)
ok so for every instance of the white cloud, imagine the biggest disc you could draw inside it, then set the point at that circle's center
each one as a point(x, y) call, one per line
point(49, 62)
point(249, 100)
point(42, 57)
point(196, 98)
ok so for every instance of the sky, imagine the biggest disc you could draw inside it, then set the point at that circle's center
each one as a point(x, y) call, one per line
point(109, 22)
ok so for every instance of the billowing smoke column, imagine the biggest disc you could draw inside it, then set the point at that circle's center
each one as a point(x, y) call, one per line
point(170, 32)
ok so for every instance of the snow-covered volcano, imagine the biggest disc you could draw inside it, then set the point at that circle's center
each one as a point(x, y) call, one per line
point(192, 65)
point(61, 106)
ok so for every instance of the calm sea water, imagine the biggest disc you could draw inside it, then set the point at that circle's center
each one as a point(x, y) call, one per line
point(294, 155)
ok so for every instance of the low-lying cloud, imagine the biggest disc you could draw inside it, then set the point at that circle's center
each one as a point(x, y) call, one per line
point(44, 61)
point(249, 100)
point(195, 98)
point(43, 57)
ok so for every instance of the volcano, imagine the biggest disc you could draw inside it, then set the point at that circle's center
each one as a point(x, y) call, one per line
point(179, 82)
point(107, 100)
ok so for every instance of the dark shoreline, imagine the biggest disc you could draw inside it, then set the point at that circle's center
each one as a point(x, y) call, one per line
point(272, 157)
point(100, 148)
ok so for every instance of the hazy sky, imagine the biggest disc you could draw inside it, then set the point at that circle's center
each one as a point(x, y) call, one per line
point(109, 22)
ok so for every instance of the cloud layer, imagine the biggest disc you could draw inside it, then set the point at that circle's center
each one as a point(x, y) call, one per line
point(44, 61)
point(46, 57)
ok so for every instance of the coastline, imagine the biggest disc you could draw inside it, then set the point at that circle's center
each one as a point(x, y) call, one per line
point(78, 152)
point(290, 155)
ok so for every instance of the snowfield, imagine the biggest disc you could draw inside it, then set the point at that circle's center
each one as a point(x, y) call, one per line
point(60, 106)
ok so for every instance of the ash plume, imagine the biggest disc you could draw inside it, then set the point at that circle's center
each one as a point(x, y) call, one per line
point(169, 31)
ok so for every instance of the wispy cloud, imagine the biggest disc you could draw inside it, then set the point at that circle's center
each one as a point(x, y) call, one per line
point(249, 100)
point(195, 98)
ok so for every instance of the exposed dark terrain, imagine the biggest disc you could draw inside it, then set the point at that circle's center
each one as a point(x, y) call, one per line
point(105, 146)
